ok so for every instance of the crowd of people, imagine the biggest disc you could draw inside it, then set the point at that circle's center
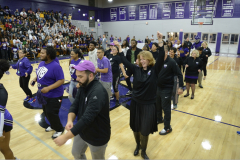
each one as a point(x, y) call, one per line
point(157, 70)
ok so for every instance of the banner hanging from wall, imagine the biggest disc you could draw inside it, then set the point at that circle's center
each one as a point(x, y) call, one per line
point(132, 13)
point(179, 9)
point(166, 10)
point(211, 5)
point(113, 14)
point(122, 13)
point(228, 8)
point(191, 8)
point(143, 12)
point(153, 11)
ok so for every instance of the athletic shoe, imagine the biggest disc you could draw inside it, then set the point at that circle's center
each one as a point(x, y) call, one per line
point(31, 100)
point(49, 129)
point(175, 106)
point(111, 98)
point(200, 86)
point(164, 132)
point(117, 103)
point(26, 99)
point(57, 134)
point(129, 93)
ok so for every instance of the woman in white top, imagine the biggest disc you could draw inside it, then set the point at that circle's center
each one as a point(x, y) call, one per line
point(125, 47)
point(178, 45)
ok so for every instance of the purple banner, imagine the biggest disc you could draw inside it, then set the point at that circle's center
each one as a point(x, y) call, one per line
point(166, 11)
point(228, 8)
point(179, 9)
point(122, 13)
point(132, 13)
point(153, 11)
point(113, 14)
point(191, 8)
point(211, 6)
point(143, 11)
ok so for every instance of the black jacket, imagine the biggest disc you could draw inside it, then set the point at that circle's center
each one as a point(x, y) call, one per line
point(179, 61)
point(203, 57)
point(129, 53)
point(107, 52)
point(144, 81)
point(167, 73)
point(193, 66)
point(91, 106)
point(208, 52)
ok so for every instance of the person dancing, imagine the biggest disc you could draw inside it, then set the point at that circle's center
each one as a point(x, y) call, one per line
point(6, 120)
point(143, 117)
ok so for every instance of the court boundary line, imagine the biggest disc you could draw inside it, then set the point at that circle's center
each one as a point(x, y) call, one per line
point(213, 61)
point(205, 118)
point(40, 140)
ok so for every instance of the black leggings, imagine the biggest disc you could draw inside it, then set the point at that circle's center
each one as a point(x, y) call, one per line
point(204, 68)
point(23, 81)
point(128, 80)
point(116, 77)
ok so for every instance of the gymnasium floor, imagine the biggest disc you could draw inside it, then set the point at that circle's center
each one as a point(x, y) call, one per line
point(203, 128)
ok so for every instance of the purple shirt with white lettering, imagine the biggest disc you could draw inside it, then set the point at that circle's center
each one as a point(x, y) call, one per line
point(105, 63)
point(73, 70)
point(48, 74)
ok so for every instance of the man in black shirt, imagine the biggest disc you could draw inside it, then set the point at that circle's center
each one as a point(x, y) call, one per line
point(165, 84)
point(189, 44)
point(154, 50)
point(131, 57)
point(91, 106)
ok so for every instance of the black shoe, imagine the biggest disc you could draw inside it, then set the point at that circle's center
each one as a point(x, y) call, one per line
point(192, 97)
point(144, 155)
point(200, 86)
point(186, 95)
point(136, 152)
point(117, 103)
point(160, 121)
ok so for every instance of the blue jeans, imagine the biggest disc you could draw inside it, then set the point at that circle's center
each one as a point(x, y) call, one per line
point(71, 86)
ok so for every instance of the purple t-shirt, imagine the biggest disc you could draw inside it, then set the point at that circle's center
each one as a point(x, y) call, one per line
point(73, 70)
point(4, 46)
point(56, 60)
point(105, 63)
point(48, 74)
point(183, 51)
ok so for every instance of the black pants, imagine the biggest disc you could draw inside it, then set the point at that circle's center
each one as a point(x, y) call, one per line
point(23, 81)
point(51, 110)
point(204, 68)
point(10, 57)
point(128, 80)
point(115, 82)
point(164, 96)
point(183, 66)
point(4, 53)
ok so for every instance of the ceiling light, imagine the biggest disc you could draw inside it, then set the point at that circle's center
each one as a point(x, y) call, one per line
point(110, 0)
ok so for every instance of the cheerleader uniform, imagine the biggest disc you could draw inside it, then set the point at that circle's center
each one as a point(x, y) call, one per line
point(6, 120)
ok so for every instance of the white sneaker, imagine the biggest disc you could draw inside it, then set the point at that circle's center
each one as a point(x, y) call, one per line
point(111, 98)
point(56, 134)
point(48, 129)
point(129, 93)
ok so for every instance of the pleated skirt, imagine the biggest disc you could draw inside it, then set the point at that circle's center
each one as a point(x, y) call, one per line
point(143, 118)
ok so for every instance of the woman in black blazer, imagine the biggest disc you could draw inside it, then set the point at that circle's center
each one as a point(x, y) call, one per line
point(193, 66)
point(207, 52)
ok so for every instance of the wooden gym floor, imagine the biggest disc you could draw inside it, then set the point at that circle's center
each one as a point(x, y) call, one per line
point(203, 128)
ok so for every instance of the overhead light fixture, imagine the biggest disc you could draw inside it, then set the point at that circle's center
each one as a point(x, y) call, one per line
point(83, 15)
point(110, 0)
point(73, 7)
point(79, 10)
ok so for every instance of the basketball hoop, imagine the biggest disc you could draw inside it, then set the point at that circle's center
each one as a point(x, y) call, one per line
point(200, 24)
